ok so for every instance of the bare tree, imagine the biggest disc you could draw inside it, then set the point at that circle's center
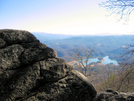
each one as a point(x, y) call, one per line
point(123, 8)
point(81, 57)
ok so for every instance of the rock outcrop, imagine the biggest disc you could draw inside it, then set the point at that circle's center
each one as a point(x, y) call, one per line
point(110, 95)
point(31, 71)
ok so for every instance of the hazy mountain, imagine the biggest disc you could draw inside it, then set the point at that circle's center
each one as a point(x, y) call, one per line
point(104, 45)
point(47, 36)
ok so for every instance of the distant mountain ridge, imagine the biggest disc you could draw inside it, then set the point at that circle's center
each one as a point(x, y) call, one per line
point(104, 45)
point(49, 36)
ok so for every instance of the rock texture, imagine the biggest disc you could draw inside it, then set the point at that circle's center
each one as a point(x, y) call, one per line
point(31, 71)
point(110, 95)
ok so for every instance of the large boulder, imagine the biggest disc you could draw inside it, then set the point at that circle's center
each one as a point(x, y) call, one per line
point(31, 71)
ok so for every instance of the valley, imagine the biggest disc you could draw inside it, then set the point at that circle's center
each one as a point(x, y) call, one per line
point(112, 45)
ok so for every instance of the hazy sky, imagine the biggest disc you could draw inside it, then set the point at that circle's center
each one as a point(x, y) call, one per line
point(61, 17)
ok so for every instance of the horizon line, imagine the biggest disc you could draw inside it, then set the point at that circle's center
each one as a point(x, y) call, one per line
point(101, 34)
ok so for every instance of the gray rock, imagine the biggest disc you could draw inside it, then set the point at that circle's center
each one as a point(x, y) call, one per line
point(70, 88)
point(37, 51)
point(16, 36)
point(54, 69)
point(2, 43)
point(31, 71)
point(110, 95)
point(9, 56)
point(17, 83)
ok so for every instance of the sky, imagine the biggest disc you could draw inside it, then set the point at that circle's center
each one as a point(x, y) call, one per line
point(72, 17)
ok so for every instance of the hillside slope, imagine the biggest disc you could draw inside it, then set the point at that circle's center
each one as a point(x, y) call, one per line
point(104, 45)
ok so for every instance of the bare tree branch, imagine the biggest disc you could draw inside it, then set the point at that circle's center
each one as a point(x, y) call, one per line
point(82, 57)
point(123, 8)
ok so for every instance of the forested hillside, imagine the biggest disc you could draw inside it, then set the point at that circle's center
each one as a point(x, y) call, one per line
point(104, 45)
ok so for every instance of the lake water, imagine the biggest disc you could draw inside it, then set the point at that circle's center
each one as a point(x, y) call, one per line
point(107, 61)
point(104, 60)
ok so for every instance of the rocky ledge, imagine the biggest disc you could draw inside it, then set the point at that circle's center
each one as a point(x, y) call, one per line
point(31, 71)
point(111, 95)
